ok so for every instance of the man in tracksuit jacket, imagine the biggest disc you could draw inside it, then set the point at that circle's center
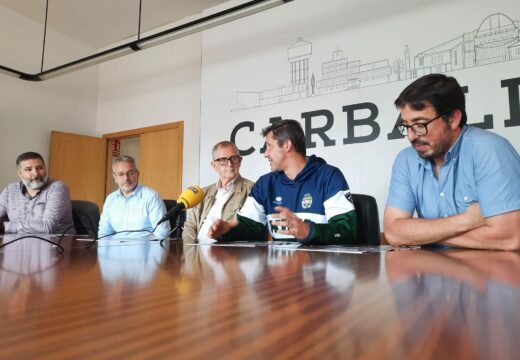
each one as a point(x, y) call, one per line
point(303, 199)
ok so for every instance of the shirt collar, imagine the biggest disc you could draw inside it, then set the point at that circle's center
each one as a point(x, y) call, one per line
point(229, 185)
point(23, 189)
point(451, 154)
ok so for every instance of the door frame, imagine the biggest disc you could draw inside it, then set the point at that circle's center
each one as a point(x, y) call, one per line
point(133, 133)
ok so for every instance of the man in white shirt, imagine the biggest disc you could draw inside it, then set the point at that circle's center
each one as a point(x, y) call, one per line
point(223, 199)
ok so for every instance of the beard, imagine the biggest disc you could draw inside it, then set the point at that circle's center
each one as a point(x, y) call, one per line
point(35, 183)
point(435, 150)
point(272, 165)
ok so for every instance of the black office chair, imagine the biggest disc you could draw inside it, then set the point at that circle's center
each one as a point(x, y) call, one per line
point(368, 219)
point(175, 224)
point(86, 217)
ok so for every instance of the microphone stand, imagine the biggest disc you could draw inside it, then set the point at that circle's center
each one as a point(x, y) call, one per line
point(176, 231)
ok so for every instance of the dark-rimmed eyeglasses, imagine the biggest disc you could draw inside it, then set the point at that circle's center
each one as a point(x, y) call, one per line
point(223, 161)
point(419, 129)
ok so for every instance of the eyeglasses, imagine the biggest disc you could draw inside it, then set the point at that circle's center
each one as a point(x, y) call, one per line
point(223, 161)
point(418, 129)
point(125, 174)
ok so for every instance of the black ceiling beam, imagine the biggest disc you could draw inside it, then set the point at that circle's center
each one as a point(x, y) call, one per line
point(130, 46)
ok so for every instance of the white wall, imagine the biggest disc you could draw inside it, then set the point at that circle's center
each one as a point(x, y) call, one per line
point(29, 111)
point(196, 79)
point(250, 58)
point(21, 40)
point(155, 86)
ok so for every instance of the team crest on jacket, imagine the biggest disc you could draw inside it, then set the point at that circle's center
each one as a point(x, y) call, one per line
point(307, 201)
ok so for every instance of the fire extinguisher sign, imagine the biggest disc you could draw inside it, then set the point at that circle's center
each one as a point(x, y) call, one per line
point(116, 148)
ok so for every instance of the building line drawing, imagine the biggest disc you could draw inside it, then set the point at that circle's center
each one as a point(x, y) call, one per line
point(496, 39)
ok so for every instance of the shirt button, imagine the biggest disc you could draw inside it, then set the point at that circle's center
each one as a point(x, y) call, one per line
point(465, 198)
point(445, 215)
point(442, 194)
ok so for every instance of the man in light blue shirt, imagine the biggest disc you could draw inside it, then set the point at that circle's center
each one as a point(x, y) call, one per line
point(462, 182)
point(133, 206)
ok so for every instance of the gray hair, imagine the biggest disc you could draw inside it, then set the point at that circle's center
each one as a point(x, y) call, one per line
point(124, 158)
point(224, 143)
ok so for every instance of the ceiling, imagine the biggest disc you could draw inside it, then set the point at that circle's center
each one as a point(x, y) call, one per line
point(99, 23)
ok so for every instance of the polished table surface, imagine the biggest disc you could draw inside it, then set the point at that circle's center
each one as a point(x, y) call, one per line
point(138, 299)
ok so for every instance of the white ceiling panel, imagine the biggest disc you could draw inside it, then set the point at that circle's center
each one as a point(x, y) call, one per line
point(99, 23)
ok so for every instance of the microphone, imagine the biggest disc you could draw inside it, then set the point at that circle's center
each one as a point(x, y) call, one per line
point(190, 197)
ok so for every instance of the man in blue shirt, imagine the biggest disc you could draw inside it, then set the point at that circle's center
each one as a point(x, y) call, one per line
point(461, 181)
point(133, 206)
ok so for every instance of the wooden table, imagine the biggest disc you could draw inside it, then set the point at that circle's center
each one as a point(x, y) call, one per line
point(141, 300)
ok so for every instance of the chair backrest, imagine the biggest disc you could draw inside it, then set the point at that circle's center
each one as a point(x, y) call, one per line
point(368, 219)
point(86, 217)
point(179, 221)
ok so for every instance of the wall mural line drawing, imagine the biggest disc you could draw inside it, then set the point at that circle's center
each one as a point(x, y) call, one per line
point(496, 39)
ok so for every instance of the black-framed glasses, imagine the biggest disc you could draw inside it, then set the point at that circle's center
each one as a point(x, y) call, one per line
point(223, 161)
point(418, 129)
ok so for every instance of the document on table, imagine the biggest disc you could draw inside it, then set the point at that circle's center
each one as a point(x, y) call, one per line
point(296, 246)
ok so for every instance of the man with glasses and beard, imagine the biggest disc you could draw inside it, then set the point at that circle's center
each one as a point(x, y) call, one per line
point(223, 199)
point(133, 206)
point(461, 181)
point(36, 204)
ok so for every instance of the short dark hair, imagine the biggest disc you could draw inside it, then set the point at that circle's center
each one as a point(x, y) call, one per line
point(28, 156)
point(288, 130)
point(442, 92)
